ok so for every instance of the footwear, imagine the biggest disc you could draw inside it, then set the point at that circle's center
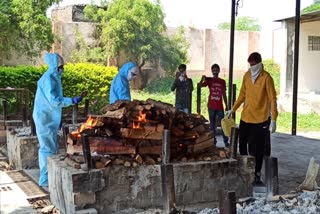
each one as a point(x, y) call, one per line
point(257, 180)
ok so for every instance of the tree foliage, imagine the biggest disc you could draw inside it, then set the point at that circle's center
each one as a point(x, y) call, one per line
point(242, 23)
point(314, 7)
point(24, 27)
point(137, 29)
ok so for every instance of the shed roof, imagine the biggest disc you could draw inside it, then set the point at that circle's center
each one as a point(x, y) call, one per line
point(305, 17)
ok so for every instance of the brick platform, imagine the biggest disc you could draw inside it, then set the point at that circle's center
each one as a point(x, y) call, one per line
point(118, 188)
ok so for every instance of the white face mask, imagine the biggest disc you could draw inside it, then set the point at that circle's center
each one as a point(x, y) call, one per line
point(255, 71)
point(256, 68)
point(132, 73)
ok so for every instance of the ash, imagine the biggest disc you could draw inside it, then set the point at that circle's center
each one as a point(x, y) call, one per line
point(305, 202)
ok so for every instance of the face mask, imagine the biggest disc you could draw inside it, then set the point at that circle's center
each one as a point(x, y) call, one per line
point(256, 68)
point(132, 73)
point(182, 76)
point(60, 70)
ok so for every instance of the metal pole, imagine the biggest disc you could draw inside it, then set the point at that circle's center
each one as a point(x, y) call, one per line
point(86, 150)
point(234, 98)
point(65, 130)
point(227, 202)
point(166, 146)
point(233, 9)
point(86, 108)
point(271, 176)
point(198, 98)
point(4, 112)
point(295, 70)
point(24, 116)
point(33, 127)
point(75, 114)
point(167, 176)
point(234, 142)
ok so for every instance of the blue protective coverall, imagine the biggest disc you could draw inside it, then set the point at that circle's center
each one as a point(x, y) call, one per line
point(47, 111)
point(120, 88)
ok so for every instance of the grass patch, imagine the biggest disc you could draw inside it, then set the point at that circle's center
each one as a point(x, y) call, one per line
point(160, 89)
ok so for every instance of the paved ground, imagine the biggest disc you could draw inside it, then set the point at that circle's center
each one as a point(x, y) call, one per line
point(12, 199)
point(294, 154)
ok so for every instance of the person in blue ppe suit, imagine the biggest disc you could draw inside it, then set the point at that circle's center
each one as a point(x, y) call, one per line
point(47, 111)
point(120, 88)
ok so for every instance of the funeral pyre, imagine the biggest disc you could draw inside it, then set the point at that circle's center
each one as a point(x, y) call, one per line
point(131, 133)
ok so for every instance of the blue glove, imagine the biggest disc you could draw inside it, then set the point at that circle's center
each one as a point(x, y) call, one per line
point(76, 100)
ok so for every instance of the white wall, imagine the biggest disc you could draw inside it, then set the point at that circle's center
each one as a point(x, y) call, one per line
point(309, 61)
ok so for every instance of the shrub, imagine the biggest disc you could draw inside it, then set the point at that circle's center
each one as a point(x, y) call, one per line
point(274, 70)
point(76, 78)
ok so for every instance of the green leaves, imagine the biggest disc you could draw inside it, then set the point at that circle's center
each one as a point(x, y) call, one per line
point(76, 78)
point(24, 27)
point(243, 23)
point(136, 29)
point(311, 8)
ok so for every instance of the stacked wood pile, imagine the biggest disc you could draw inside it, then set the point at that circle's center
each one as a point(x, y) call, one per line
point(130, 133)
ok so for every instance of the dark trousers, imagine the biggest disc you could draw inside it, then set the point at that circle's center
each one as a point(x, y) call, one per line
point(213, 116)
point(252, 138)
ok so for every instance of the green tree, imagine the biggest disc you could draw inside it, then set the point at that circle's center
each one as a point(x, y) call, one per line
point(24, 27)
point(242, 23)
point(137, 29)
point(314, 7)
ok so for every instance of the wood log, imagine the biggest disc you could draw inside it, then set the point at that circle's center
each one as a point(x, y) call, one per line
point(188, 135)
point(149, 161)
point(140, 134)
point(115, 106)
point(118, 162)
point(199, 128)
point(204, 137)
point(201, 146)
point(118, 114)
point(99, 165)
point(134, 164)
point(105, 161)
point(138, 158)
point(111, 150)
point(77, 158)
point(152, 150)
point(176, 131)
point(127, 164)
point(72, 163)
point(162, 105)
point(222, 154)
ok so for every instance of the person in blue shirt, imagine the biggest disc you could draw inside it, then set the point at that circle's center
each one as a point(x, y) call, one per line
point(47, 111)
point(120, 88)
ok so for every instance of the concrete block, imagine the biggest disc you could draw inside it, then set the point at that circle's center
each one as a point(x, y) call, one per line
point(93, 180)
point(87, 211)
point(81, 199)
point(22, 151)
point(188, 197)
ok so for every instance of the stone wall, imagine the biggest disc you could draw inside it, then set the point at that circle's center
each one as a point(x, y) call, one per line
point(117, 188)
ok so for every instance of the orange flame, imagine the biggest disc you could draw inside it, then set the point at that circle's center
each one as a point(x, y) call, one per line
point(90, 123)
point(141, 118)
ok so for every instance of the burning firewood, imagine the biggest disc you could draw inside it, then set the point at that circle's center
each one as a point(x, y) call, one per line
point(129, 130)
